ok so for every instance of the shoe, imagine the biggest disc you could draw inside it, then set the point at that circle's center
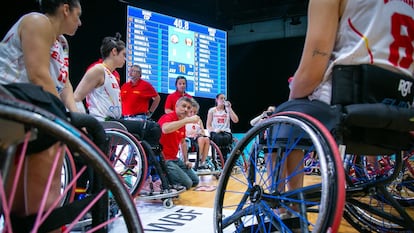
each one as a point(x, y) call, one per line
point(146, 188)
point(203, 167)
point(157, 185)
point(178, 187)
point(210, 164)
point(170, 190)
point(151, 187)
point(216, 166)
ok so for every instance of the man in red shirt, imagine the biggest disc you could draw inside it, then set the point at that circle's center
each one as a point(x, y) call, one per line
point(181, 86)
point(136, 95)
point(173, 134)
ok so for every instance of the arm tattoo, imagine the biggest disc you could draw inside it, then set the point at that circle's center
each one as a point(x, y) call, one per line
point(318, 52)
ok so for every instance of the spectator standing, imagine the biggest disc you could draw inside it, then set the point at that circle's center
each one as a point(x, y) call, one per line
point(136, 95)
point(180, 91)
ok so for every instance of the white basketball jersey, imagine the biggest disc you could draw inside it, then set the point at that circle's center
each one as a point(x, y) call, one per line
point(105, 101)
point(59, 63)
point(378, 32)
point(220, 119)
point(192, 130)
point(12, 68)
point(11, 57)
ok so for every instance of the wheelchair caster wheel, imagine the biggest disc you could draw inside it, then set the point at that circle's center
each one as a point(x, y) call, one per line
point(168, 203)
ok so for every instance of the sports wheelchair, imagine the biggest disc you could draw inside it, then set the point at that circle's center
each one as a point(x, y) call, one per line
point(358, 123)
point(127, 156)
point(214, 160)
point(90, 211)
point(137, 159)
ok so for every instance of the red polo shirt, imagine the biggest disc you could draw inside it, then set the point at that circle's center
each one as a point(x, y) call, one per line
point(172, 99)
point(136, 98)
point(170, 142)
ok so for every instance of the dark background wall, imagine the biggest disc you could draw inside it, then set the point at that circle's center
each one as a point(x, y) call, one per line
point(257, 71)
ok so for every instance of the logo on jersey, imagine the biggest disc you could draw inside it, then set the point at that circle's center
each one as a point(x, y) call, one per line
point(405, 87)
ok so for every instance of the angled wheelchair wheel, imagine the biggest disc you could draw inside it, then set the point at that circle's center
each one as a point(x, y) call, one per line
point(402, 187)
point(66, 215)
point(128, 158)
point(263, 196)
point(216, 160)
point(68, 172)
point(379, 200)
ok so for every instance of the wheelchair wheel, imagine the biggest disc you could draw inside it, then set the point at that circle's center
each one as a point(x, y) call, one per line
point(261, 197)
point(379, 200)
point(401, 188)
point(68, 172)
point(404, 186)
point(90, 212)
point(216, 163)
point(128, 158)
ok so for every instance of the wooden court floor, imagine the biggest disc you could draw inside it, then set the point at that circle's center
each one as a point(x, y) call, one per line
point(206, 199)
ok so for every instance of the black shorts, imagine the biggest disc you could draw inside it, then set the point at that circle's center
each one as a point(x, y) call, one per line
point(222, 139)
point(147, 130)
point(37, 96)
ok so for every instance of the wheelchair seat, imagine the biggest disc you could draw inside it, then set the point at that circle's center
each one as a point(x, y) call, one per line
point(375, 119)
point(362, 116)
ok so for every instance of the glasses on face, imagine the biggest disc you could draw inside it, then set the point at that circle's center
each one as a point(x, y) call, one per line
point(135, 71)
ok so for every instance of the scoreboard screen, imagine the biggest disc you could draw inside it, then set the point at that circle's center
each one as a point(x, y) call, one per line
point(167, 47)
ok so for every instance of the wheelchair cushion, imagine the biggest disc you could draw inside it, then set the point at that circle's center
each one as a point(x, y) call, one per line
point(376, 101)
point(386, 117)
point(147, 130)
point(354, 84)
